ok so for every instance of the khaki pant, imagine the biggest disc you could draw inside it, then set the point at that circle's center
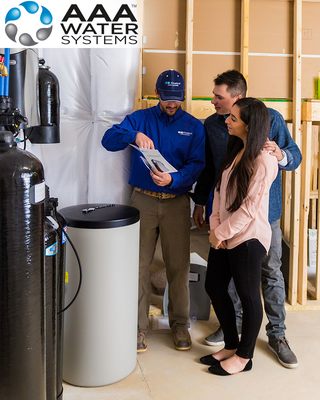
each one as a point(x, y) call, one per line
point(169, 218)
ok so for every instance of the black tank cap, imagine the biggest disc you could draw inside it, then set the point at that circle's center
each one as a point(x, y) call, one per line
point(99, 216)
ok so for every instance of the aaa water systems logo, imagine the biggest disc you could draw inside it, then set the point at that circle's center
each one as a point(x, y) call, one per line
point(31, 22)
point(70, 23)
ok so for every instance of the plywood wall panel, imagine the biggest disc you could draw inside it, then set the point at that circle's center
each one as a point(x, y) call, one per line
point(270, 77)
point(154, 64)
point(311, 28)
point(206, 68)
point(271, 26)
point(310, 71)
point(217, 25)
point(164, 24)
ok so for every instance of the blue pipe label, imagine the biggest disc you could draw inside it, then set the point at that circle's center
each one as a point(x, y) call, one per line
point(64, 237)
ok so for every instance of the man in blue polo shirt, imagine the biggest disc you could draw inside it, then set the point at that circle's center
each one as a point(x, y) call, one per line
point(229, 87)
point(162, 198)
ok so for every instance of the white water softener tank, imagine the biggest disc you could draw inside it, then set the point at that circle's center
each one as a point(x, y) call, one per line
point(100, 332)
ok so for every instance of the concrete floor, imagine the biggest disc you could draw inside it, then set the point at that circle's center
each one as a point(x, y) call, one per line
point(162, 373)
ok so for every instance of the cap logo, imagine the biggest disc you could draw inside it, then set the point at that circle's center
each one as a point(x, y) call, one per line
point(171, 83)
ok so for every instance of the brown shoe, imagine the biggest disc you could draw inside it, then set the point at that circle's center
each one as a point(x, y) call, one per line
point(181, 337)
point(141, 342)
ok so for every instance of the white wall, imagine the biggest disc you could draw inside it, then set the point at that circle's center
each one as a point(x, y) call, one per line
point(97, 89)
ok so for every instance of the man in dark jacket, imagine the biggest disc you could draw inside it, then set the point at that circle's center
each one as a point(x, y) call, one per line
point(229, 87)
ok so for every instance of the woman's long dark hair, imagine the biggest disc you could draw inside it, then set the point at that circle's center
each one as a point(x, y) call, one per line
point(256, 117)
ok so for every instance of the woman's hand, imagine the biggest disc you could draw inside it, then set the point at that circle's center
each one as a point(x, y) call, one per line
point(215, 242)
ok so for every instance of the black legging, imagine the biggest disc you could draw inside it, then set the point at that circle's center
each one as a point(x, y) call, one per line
point(243, 264)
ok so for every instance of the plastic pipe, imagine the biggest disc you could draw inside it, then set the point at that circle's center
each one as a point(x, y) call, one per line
point(7, 65)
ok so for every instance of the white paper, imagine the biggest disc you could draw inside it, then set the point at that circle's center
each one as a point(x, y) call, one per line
point(153, 159)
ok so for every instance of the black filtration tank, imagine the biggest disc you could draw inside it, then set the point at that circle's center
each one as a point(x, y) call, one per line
point(22, 361)
point(51, 288)
point(60, 305)
point(54, 301)
point(49, 106)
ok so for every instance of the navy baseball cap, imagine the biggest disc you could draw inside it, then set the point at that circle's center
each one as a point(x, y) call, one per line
point(170, 86)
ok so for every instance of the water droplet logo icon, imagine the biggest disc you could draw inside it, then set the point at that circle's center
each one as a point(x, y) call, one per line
point(13, 14)
point(39, 17)
point(46, 17)
point(31, 6)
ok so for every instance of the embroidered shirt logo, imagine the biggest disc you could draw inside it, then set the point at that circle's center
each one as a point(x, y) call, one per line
point(185, 133)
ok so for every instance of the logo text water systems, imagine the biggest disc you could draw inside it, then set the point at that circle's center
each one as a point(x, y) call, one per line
point(55, 24)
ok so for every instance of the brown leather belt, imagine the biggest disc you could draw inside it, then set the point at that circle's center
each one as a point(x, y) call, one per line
point(156, 195)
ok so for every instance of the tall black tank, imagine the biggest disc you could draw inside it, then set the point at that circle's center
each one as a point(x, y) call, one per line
point(22, 328)
point(49, 108)
point(54, 298)
point(60, 304)
point(51, 289)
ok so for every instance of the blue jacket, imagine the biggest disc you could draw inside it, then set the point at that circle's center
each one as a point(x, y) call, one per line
point(216, 147)
point(180, 139)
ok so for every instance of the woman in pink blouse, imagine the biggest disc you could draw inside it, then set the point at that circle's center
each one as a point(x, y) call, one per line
point(240, 234)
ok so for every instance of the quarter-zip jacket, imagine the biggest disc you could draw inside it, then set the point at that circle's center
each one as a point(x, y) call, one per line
point(180, 139)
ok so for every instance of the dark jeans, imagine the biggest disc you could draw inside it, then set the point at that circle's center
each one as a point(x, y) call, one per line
point(243, 264)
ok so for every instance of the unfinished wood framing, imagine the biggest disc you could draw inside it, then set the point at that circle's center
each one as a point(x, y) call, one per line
point(304, 212)
point(244, 57)
point(314, 181)
point(308, 279)
point(277, 67)
point(296, 175)
point(138, 98)
point(317, 276)
point(232, 34)
point(286, 207)
point(189, 48)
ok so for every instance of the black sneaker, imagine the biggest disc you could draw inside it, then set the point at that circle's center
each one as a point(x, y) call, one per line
point(280, 347)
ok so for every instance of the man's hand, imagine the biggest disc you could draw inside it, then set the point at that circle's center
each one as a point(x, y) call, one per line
point(160, 178)
point(197, 215)
point(143, 141)
point(273, 149)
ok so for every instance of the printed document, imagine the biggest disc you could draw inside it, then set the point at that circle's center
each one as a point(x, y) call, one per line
point(153, 159)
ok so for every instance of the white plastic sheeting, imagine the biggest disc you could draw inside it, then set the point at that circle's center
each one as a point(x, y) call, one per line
point(97, 89)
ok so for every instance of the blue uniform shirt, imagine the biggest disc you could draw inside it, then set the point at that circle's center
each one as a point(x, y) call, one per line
point(179, 138)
